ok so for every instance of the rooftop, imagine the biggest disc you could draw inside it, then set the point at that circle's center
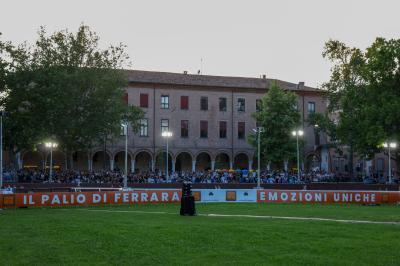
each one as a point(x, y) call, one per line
point(141, 76)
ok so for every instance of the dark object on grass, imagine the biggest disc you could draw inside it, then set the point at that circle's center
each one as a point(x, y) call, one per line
point(187, 200)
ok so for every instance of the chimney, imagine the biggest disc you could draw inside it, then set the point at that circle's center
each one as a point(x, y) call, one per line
point(264, 76)
point(300, 86)
point(185, 72)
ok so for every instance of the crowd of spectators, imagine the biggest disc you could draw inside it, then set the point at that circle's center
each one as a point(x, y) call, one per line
point(217, 176)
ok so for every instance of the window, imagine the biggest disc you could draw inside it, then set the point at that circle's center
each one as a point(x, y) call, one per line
point(204, 103)
point(222, 129)
point(164, 125)
point(184, 128)
point(241, 130)
point(184, 102)
point(258, 105)
point(164, 101)
point(241, 105)
point(203, 129)
point(144, 100)
point(144, 127)
point(222, 104)
point(311, 107)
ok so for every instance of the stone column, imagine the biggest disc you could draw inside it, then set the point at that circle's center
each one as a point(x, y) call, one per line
point(230, 165)
point(133, 165)
point(285, 165)
point(90, 165)
point(153, 166)
point(111, 165)
point(193, 166)
point(250, 165)
point(212, 165)
point(173, 165)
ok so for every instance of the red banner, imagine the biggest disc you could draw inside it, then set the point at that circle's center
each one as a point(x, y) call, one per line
point(89, 198)
point(306, 196)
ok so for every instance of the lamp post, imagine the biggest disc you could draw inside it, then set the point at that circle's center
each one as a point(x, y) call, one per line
point(167, 135)
point(298, 133)
point(51, 145)
point(390, 145)
point(125, 133)
point(258, 130)
point(1, 149)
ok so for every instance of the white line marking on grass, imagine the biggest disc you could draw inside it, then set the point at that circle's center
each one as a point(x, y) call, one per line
point(252, 216)
point(300, 218)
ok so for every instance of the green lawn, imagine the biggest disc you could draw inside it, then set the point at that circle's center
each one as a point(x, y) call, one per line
point(157, 235)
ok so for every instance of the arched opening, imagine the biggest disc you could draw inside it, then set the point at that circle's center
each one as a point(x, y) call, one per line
point(101, 162)
point(80, 160)
point(32, 160)
point(183, 162)
point(312, 162)
point(161, 162)
point(119, 162)
point(143, 162)
point(241, 161)
point(203, 162)
point(222, 161)
point(59, 160)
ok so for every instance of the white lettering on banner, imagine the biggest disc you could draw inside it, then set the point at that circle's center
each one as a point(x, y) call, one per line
point(31, 200)
point(357, 197)
point(308, 196)
point(154, 197)
point(272, 196)
point(366, 197)
point(45, 198)
point(143, 197)
point(372, 197)
point(293, 198)
point(318, 197)
point(164, 196)
point(81, 198)
point(135, 197)
point(96, 198)
point(117, 196)
point(125, 197)
point(55, 200)
point(284, 196)
point(262, 195)
point(25, 200)
point(336, 196)
point(175, 196)
point(64, 199)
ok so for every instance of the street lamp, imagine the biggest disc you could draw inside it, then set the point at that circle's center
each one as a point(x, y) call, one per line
point(258, 130)
point(2, 113)
point(51, 146)
point(124, 126)
point(391, 145)
point(297, 134)
point(167, 135)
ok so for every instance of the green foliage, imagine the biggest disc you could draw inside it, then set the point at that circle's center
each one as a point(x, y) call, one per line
point(364, 94)
point(65, 87)
point(279, 118)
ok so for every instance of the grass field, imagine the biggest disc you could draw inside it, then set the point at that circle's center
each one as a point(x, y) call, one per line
point(157, 235)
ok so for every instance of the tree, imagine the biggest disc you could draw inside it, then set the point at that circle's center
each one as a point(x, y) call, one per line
point(279, 117)
point(364, 96)
point(65, 87)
